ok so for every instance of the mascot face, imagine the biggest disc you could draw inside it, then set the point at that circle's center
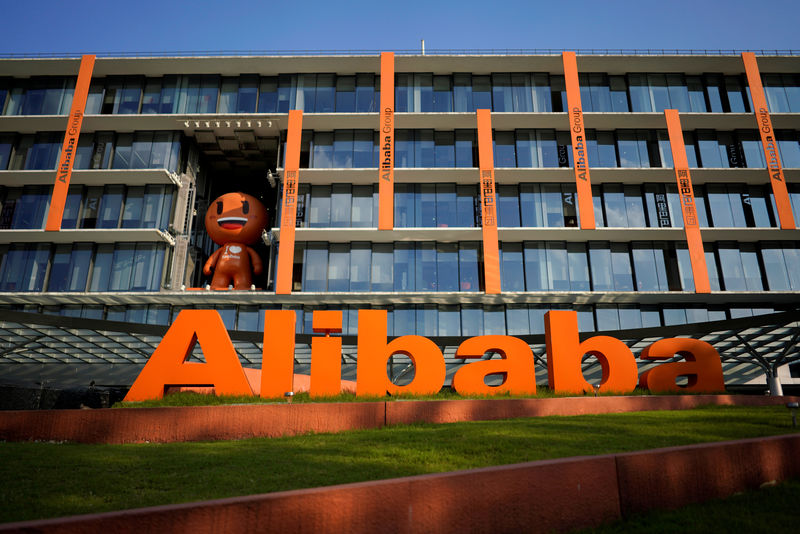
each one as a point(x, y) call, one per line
point(235, 217)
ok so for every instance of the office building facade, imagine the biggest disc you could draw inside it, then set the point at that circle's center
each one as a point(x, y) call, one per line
point(464, 194)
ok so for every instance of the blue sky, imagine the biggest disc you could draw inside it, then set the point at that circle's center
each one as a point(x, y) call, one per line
point(91, 26)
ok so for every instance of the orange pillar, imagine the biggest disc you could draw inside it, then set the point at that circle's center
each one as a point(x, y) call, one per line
point(386, 129)
point(769, 142)
point(70, 146)
point(491, 249)
point(579, 151)
point(291, 170)
point(686, 194)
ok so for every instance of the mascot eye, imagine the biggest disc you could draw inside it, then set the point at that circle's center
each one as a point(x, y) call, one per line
point(219, 208)
point(245, 207)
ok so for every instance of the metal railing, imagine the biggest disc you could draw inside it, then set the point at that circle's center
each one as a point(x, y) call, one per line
point(412, 52)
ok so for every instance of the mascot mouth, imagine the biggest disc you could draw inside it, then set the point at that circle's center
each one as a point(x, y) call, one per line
point(232, 223)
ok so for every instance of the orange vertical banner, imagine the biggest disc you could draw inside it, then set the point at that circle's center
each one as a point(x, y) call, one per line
point(291, 170)
point(491, 249)
point(386, 129)
point(578, 132)
point(769, 142)
point(686, 194)
point(70, 146)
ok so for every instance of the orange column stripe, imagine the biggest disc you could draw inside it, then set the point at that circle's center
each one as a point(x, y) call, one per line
point(768, 142)
point(291, 170)
point(386, 129)
point(65, 162)
point(578, 132)
point(686, 194)
point(491, 249)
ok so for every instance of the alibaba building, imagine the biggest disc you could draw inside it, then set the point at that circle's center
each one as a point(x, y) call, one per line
point(656, 194)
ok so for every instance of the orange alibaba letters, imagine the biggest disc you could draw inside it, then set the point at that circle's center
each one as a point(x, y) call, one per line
point(222, 371)
point(702, 367)
point(168, 366)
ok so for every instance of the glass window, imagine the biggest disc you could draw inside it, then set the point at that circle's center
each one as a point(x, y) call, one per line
point(361, 211)
point(468, 266)
point(789, 148)
point(382, 263)
point(678, 93)
point(343, 149)
point(148, 264)
point(639, 93)
point(465, 148)
point(404, 205)
point(614, 203)
point(467, 207)
point(363, 149)
point(449, 321)
point(424, 149)
point(404, 267)
point(494, 320)
point(122, 267)
point(248, 93)
point(618, 93)
point(504, 153)
point(502, 97)
point(462, 92)
point(536, 271)
point(339, 267)
point(628, 148)
point(481, 93)
point(446, 205)
point(578, 267)
point(621, 265)
point(31, 207)
point(442, 94)
point(132, 214)
point(229, 95)
point(315, 266)
point(600, 263)
point(425, 208)
point(111, 206)
point(403, 148)
point(521, 92)
point(775, 266)
point(512, 278)
point(426, 266)
point(345, 94)
point(645, 267)
point(697, 99)
point(558, 266)
point(444, 152)
point(634, 206)
point(446, 266)
point(366, 94)
point(530, 201)
point(659, 93)
point(360, 266)
point(326, 93)
point(508, 204)
point(268, 94)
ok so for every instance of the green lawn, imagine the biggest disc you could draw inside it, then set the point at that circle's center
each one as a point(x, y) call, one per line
point(772, 510)
point(54, 479)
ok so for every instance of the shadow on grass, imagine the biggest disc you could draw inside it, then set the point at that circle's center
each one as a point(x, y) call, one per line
point(48, 480)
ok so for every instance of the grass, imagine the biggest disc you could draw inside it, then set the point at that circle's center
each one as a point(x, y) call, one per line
point(43, 480)
point(771, 509)
point(199, 399)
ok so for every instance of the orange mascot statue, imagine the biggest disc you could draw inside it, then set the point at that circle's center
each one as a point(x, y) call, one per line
point(234, 221)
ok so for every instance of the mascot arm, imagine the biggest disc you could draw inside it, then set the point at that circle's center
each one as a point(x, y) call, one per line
point(255, 260)
point(212, 262)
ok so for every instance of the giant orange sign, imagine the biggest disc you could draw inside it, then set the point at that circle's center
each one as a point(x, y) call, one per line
point(168, 366)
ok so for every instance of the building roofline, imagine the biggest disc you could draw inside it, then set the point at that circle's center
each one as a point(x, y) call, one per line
point(407, 52)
